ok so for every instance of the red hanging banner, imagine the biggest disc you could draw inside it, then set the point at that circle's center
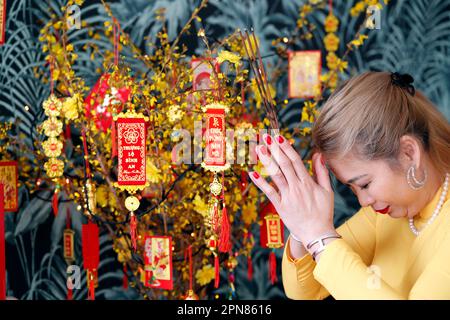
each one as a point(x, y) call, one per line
point(91, 256)
point(215, 152)
point(158, 262)
point(131, 135)
point(271, 236)
point(2, 21)
point(9, 179)
point(2, 247)
point(272, 228)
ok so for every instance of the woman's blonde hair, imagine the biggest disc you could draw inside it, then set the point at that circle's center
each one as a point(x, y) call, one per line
point(367, 115)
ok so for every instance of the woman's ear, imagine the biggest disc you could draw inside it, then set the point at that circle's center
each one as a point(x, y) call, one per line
point(410, 152)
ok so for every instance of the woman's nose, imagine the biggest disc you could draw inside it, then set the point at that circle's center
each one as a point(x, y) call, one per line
point(365, 199)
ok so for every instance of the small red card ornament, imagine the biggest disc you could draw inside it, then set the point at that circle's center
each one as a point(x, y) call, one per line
point(202, 71)
point(91, 256)
point(104, 101)
point(131, 176)
point(304, 73)
point(9, 179)
point(271, 235)
point(158, 262)
point(2, 20)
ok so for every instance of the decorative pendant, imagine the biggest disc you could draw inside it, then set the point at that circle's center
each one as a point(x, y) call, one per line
point(131, 147)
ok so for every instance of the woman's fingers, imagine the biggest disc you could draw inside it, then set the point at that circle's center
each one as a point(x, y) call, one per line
point(265, 187)
point(272, 168)
point(322, 174)
point(294, 157)
point(284, 163)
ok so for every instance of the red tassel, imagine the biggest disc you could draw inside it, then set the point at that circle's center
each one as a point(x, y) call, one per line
point(55, 202)
point(273, 267)
point(133, 231)
point(68, 133)
point(113, 140)
point(217, 270)
point(69, 294)
point(125, 278)
point(91, 291)
point(224, 241)
point(249, 268)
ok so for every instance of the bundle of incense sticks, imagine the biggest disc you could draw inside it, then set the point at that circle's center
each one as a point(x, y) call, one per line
point(254, 55)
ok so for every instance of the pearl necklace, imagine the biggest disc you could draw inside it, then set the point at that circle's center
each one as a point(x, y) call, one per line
point(436, 211)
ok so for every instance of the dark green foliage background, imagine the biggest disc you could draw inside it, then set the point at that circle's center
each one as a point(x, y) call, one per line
point(414, 38)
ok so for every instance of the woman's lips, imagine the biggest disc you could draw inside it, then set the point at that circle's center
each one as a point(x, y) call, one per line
point(384, 211)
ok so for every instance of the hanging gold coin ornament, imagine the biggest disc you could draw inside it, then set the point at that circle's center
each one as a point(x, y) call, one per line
point(131, 147)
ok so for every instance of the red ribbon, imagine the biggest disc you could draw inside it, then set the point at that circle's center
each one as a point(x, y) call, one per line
point(273, 267)
point(133, 231)
point(55, 202)
point(125, 278)
point(2, 246)
point(216, 271)
point(188, 254)
point(249, 268)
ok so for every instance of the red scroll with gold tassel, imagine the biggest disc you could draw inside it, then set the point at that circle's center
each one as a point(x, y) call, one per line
point(91, 256)
point(271, 236)
point(215, 161)
point(131, 152)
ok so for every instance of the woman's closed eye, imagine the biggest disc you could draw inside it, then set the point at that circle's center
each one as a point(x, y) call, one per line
point(365, 186)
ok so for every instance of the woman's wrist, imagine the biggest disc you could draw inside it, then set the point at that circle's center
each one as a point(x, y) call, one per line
point(296, 249)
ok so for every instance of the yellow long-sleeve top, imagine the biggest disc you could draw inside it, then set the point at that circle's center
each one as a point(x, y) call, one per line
point(378, 257)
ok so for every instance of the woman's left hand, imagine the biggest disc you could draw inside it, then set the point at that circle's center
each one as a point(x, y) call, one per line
point(305, 205)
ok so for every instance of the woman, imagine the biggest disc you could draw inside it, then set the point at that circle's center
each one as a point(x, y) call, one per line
point(391, 146)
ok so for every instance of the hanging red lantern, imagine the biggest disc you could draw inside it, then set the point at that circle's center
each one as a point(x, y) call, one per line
point(91, 256)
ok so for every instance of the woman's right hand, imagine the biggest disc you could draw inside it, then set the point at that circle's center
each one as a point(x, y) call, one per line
point(305, 205)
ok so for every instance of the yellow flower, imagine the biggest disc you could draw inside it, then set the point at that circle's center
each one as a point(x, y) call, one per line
point(54, 168)
point(153, 173)
point(332, 60)
point(357, 8)
point(205, 275)
point(331, 42)
point(200, 206)
point(52, 127)
point(52, 147)
point(175, 113)
point(231, 57)
point(249, 214)
point(255, 90)
point(70, 107)
point(122, 249)
point(358, 42)
point(52, 106)
point(331, 23)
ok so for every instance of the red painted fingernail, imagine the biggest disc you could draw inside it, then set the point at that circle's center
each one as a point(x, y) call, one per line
point(263, 150)
point(255, 175)
point(280, 139)
point(268, 139)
